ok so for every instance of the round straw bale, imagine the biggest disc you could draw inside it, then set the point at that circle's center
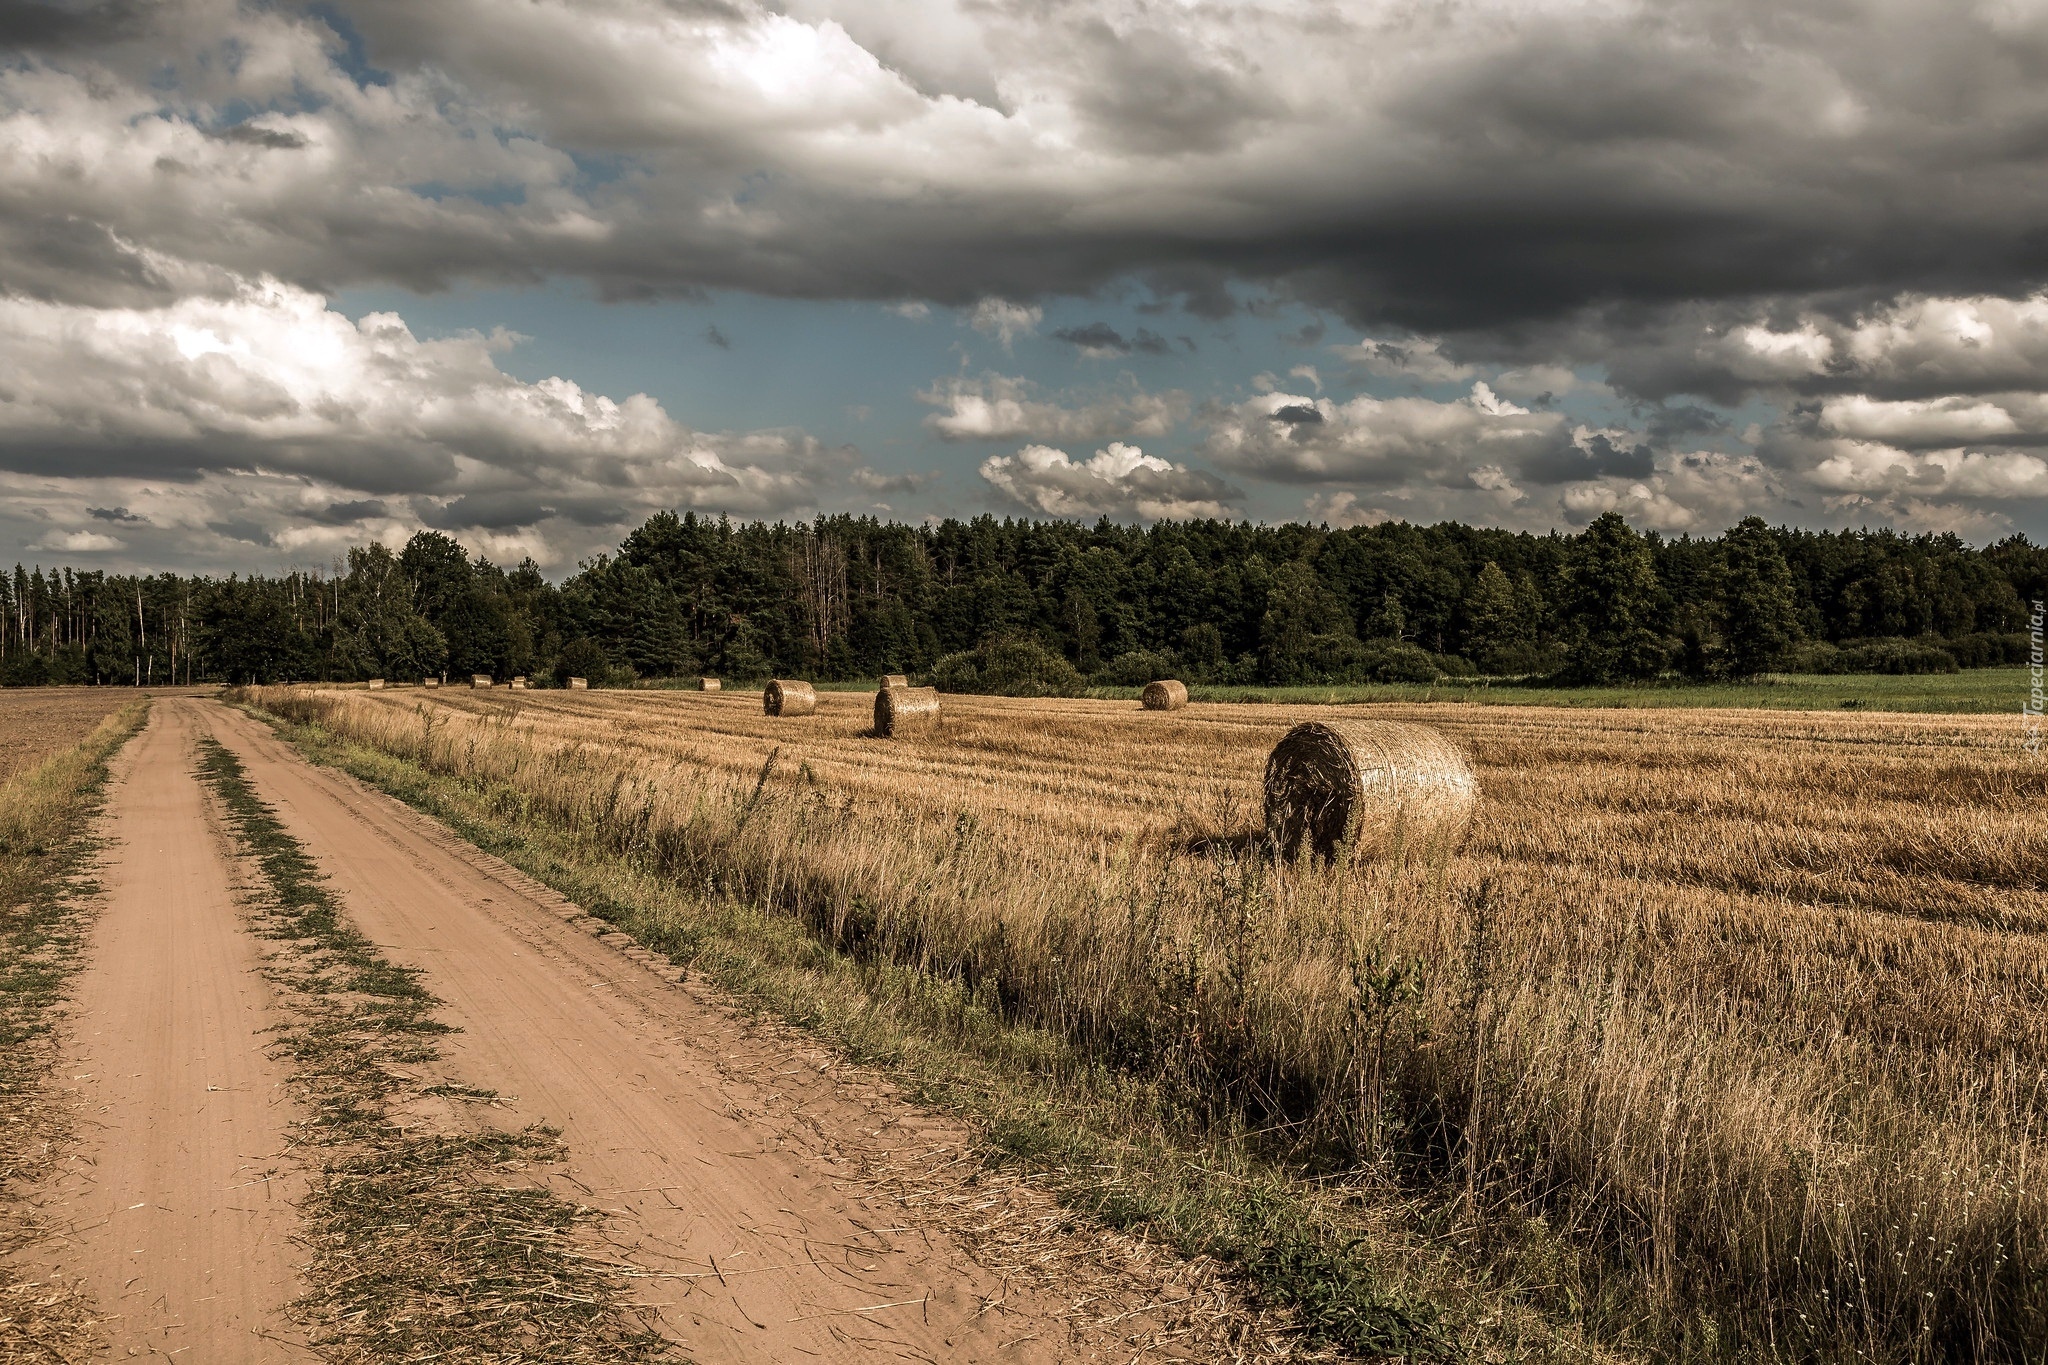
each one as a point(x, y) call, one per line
point(901, 711)
point(889, 680)
point(708, 684)
point(1375, 786)
point(479, 680)
point(1165, 695)
point(783, 697)
point(579, 684)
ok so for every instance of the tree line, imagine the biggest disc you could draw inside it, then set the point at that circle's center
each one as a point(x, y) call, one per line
point(1031, 605)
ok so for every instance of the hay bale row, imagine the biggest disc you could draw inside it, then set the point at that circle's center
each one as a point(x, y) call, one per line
point(1166, 695)
point(1373, 787)
point(904, 711)
point(785, 697)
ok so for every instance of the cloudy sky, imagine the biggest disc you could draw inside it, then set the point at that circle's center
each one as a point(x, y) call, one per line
point(278, 278)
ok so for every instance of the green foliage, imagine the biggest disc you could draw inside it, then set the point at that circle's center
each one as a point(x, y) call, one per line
point(849, 597)
point(1136, 668)
point(1760, 608)
point(1008, 666)
point(1498, 628)
point(1610, 592)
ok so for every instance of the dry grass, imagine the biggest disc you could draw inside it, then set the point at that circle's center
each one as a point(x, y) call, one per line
point(37, 722)
point(1747, 1006)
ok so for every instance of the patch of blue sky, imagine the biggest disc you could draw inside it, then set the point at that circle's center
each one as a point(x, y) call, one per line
point(851, 372)
point(353, 56)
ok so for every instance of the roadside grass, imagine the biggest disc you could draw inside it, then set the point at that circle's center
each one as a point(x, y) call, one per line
point(423, 1245)
point(46, 852)
point(1361, 1262)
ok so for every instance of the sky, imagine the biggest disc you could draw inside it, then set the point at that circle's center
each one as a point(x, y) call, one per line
point(277, 279)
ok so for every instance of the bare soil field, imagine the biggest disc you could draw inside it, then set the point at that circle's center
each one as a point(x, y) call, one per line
point(36, 722)
point(1748, 1009)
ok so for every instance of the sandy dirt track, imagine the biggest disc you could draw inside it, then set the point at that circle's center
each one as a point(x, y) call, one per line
point(756, 1241)
point(174, 1208)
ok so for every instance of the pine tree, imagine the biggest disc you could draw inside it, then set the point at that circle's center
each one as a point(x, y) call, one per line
point(1761, 610)
point(1498, 631)
point(1610, 602)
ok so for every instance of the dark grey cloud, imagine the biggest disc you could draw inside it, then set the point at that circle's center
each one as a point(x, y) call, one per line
point(1477, 174)
point(1597, 458)
point(113, 514)
point(1099, 338)
point(30, 25)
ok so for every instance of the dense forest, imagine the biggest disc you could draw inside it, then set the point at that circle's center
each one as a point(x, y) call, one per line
point(1014, 605)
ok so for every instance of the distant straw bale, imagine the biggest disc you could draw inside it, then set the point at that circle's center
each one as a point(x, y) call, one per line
point(1376, 787)
point(479, 680)
point(905, 711)
point(520, 681)
point(1165, 695)
point(579, 684)
point(784, 697)
point(709, 684)
point(889, 680)
point(375, 683)
point(430, 682)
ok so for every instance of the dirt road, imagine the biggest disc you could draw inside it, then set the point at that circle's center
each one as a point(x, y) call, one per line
point(174, 1209)
point(728, 1159)
point(753, 1238)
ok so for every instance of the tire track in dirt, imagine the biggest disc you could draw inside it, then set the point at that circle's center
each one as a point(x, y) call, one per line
point(752, 1235)
point(174, 1209)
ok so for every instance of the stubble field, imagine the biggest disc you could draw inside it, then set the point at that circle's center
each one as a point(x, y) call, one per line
point(1744, 1009)
point(36, 722)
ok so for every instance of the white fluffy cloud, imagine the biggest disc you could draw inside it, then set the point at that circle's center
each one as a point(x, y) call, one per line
point(1294, 438)
point(1117, 481)
point(1004, 320)
point(998, 407)
point(350, 422)
point(1418, 358)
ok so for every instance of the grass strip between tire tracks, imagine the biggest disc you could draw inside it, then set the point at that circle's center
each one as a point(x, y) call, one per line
point(46, 887)
point(424, 1245)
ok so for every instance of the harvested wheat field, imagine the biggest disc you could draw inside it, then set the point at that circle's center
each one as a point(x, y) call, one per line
point(36, 722)
point(1749, 1007)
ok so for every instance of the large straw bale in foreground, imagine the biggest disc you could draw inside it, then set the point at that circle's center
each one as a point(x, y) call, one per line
point(1376, 786)
point(1168, 694)
point(902, 711)
point(786, 697)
